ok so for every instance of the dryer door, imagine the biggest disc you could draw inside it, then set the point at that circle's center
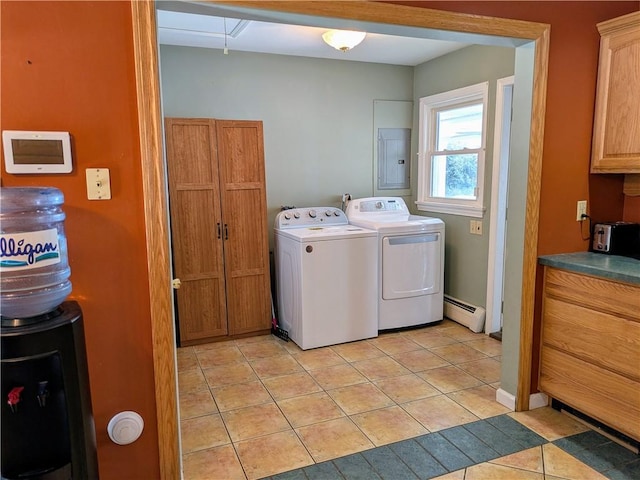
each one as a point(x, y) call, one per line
point(411, 265)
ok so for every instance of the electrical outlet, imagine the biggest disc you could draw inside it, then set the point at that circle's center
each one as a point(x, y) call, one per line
point(581, 210)
point(475, 227)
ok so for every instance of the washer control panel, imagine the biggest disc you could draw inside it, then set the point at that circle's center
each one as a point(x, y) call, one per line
point(310, 217)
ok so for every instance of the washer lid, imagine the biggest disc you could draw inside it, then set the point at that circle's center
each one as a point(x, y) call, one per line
point(410, 224)
point(318, 234)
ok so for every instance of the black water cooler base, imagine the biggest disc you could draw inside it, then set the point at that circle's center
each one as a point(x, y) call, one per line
point(47, 422)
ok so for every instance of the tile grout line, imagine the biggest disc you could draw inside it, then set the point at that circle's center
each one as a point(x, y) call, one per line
point(423, 448)
point(325, 391)
point(411, 372)
point(283, 414)
point(435, 458)
point(231, 442)
point(384, 354)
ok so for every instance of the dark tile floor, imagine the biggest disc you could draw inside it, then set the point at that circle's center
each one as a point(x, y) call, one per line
point(603, 455)
point(451, 451)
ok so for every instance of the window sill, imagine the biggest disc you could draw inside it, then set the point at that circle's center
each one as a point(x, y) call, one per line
point(475, 211)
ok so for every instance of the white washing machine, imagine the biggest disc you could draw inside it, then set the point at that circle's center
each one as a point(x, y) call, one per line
point(410, 261)
point(326, 276)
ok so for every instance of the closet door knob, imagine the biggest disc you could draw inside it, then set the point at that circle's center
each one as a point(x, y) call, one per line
point(226, 232)
point(219, 231)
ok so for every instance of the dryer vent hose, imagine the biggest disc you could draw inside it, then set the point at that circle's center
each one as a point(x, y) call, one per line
point(346, 198)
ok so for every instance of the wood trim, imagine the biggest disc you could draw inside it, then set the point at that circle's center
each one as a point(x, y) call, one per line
point(619, 23)
point(532, 219)
point(225, 338)
point(631, 184)
point(382, 12)
point(156, 213)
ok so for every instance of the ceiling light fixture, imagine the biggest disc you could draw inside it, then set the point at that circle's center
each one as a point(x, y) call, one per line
point(343, 39)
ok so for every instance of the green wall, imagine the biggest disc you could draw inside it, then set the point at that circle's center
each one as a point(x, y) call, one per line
point(317, 114)
point(318, 125)
point(466, 255)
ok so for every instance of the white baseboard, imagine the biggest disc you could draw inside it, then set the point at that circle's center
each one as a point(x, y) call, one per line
point(505, 398)
point(536, 400)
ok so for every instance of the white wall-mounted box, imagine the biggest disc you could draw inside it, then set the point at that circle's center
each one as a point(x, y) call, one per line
point(37, 152)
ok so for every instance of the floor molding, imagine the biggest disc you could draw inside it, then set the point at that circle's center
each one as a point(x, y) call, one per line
point(507, 399)
point(536, 400)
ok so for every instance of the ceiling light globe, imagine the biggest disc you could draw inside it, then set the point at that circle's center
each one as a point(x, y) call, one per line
point(343, 40)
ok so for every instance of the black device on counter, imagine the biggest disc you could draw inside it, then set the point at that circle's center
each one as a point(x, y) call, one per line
point(617, 238)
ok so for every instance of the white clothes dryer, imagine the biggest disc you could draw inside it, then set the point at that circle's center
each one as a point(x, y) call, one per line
point(326, 277)
point(410, 261)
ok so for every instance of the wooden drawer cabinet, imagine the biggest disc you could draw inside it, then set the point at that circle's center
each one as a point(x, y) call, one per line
point(616, 128)
point(590, 347)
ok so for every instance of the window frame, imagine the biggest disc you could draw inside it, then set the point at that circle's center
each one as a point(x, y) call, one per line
point(429, 106)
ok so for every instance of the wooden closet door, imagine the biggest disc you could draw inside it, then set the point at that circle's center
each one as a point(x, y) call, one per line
point(195, 215)
point(243, 197)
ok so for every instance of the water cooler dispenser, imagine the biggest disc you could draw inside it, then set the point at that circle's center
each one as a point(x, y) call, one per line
point(46, 417)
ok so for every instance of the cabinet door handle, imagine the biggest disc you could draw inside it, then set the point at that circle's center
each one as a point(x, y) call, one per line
point(226, 232)
point(219, 231)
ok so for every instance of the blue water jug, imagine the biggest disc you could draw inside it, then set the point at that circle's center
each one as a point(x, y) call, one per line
point(34, 268)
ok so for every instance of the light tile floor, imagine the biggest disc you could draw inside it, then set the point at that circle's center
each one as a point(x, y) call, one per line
point(258, 407)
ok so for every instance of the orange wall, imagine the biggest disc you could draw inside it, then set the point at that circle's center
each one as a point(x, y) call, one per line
point(631, 209)
point(81, 79)
point(69, 66)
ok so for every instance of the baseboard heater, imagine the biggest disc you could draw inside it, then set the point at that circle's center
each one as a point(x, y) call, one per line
point(465, 314)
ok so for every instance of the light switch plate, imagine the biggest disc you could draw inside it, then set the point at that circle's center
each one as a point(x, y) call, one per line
point(98, 184)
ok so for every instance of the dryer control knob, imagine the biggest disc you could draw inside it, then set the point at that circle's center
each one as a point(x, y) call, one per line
point(312, 213)
point(287, 216)
point(328, 213)
point(296, 215)
point(336, 213)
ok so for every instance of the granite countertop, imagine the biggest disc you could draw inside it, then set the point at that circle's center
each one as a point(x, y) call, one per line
point(612, 267)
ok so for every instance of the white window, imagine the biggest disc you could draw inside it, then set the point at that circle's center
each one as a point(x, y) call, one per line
point(451, 150)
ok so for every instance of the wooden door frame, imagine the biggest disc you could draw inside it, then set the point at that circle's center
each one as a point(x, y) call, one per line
point(154, 179)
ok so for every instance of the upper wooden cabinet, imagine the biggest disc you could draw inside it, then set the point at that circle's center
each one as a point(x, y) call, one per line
point(616, 129)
